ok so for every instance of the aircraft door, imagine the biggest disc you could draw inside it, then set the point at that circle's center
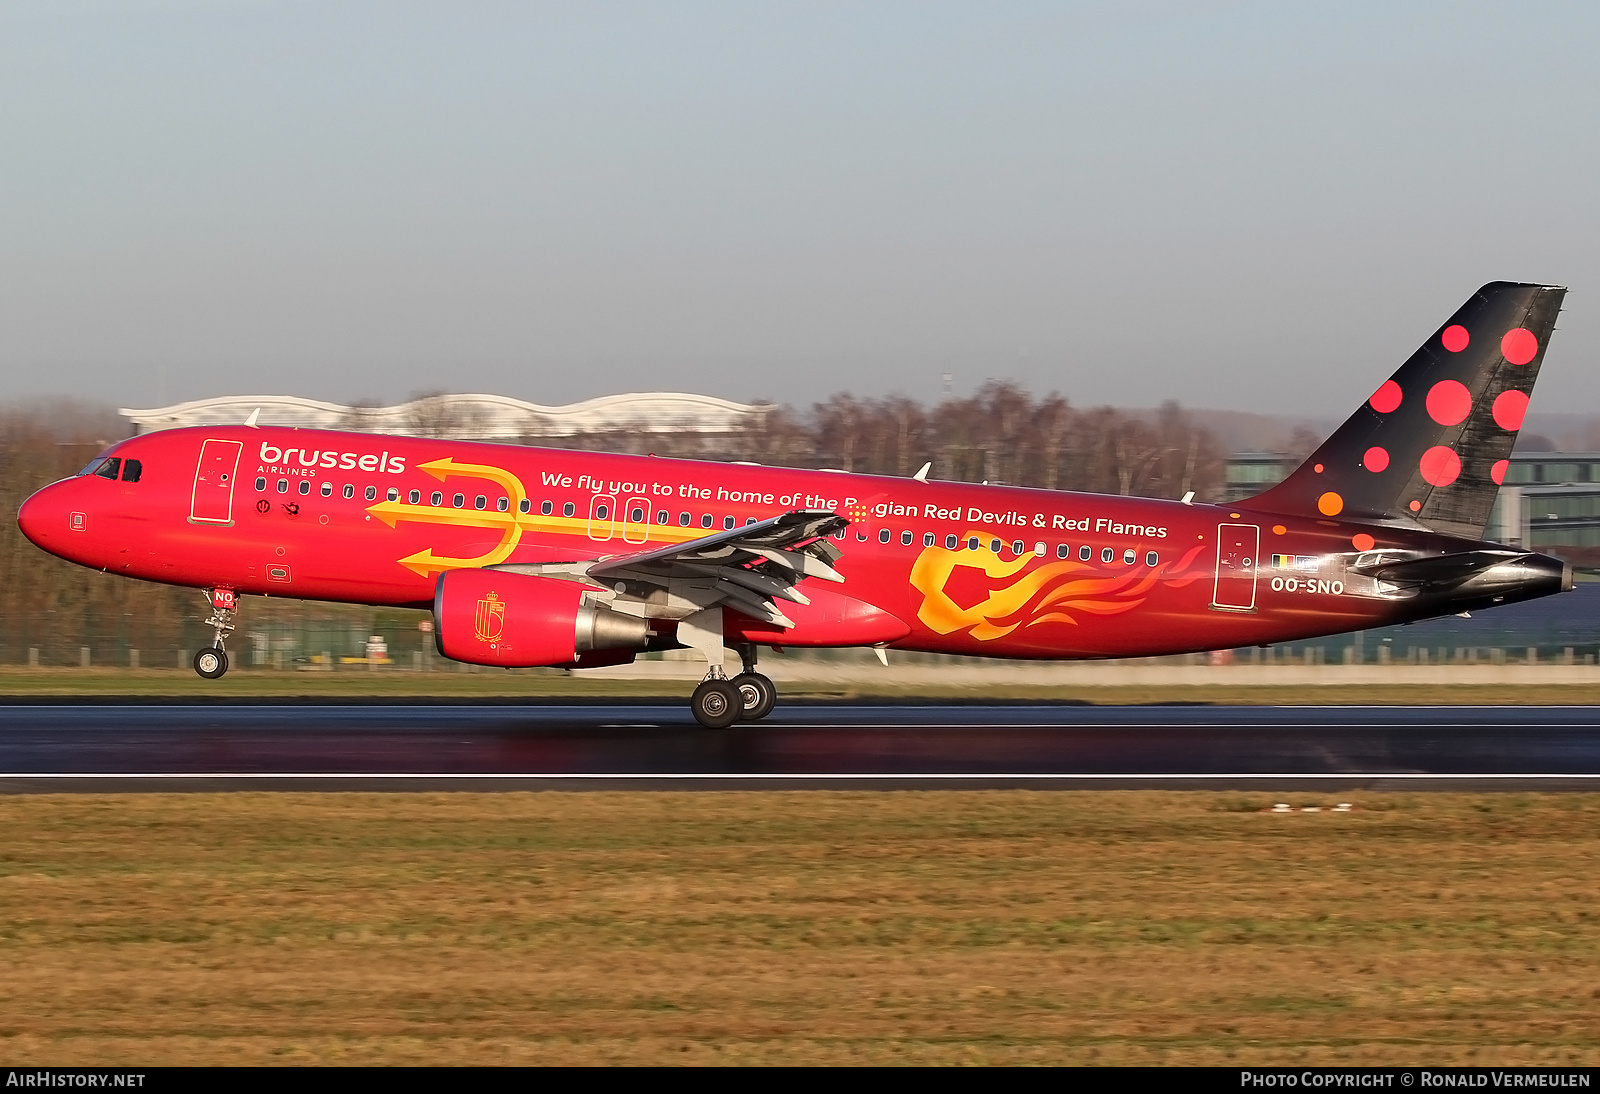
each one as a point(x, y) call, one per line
point(636, 520)
point(602, 516)
point(212, 500)
point(1237, 546)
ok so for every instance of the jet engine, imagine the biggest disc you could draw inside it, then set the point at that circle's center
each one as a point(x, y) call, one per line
point(489, 617)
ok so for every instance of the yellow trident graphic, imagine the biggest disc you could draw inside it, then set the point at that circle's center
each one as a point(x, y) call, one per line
point(425, 562)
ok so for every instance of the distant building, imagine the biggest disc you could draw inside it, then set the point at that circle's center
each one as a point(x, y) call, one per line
point(469, 417)
point(1249, 473)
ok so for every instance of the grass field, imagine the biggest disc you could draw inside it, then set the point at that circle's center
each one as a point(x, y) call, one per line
point(184, 686)
point(927, 927)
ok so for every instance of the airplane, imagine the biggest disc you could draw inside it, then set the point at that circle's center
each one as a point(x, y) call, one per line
point(530, 557)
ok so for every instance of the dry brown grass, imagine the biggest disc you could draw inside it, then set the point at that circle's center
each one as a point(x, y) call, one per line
point(798, 927)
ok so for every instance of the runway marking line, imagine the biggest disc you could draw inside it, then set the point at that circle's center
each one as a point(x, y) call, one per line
point(780, 777)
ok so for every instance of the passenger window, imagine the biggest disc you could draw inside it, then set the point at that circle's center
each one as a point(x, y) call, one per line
point(683, 520)
point(602, 512)
point(1107, 554)
point(568, 509)
point(1039, 549)
point(928, 539)
point(861, 535)
point(503, 505)
point(459, 500)
point(372, 493)
point(415, 497)
point(131, 470)
point(393, 493)
point(1018, 547)
point(1085, 552)
point(950, 542)
point(283, 486)
point(749, 520)
point(1129, 557)
point(436, 498)
point(884, 535)
point(905, 539)
point(1064, 550)
point(705, 520)
point(1151, 559)
point(663, 517)
point(994, 545)
point(545, 508)
point(480, 502)
point(728, 522)
point(526, 506)
point(972, 544)
point(109, 469)
point(349, 491)
point(261, 486)
point(327, 489)
point(636, 515)
point(305, 486)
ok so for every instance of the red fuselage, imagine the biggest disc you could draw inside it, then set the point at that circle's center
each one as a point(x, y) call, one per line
point(985, 570)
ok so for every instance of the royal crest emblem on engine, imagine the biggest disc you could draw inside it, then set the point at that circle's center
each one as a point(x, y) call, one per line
point(490, 621)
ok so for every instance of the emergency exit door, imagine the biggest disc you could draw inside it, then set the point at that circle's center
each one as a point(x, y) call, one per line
point(212, 501)
point(1237, 545)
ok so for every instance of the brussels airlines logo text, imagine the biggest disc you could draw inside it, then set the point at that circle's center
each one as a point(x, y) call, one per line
point(348, 461)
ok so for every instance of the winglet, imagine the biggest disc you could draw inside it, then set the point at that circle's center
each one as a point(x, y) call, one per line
point(251, 421)
point(922, 475)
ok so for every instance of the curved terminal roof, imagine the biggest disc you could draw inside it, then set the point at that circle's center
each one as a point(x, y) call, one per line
point(467, 417)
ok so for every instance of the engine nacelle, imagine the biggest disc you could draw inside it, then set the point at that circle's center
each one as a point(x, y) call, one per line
point(488, 617)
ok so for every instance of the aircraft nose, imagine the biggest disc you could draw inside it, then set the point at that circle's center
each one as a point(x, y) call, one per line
point(44, 517)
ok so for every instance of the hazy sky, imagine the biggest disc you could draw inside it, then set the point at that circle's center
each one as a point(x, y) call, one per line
point(1255, 206)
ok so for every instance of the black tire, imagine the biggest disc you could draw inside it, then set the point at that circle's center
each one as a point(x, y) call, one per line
point(211, 662)
point(759, 693)
point(716, 704)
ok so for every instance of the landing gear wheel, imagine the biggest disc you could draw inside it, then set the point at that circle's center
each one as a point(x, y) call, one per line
point(716, 704)
point(758, 693)
point(211, 662)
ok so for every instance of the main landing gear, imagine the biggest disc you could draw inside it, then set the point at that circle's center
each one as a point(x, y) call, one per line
point(719, 702)
point(211, 662)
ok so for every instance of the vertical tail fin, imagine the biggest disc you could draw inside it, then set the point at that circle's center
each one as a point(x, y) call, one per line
point(1430, 447)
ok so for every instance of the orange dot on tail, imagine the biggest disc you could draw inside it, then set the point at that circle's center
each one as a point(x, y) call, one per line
point(1440, 466)
point(1363, 542)
point(1278, 529)
point(1387, 398)
point(1519, 346)
point(1330, 504)
point(1416, 505)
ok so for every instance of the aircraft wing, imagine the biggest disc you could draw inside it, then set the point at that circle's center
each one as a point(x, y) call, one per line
point(749, 568)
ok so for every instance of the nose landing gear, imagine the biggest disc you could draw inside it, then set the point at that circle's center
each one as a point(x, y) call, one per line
point(211, 662)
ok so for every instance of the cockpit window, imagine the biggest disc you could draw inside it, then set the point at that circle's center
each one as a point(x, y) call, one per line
point(131, 470)
point(109, 469)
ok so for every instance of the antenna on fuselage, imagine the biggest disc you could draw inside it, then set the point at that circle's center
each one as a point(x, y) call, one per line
point(254, 414)
point(922, 475)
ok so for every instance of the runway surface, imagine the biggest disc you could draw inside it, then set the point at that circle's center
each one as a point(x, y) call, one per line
point(103, 747)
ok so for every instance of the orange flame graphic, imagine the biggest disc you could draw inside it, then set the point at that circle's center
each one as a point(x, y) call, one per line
point(1052, 586)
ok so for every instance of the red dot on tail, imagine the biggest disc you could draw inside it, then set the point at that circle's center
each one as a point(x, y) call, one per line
point(1455, 338)
point(1386, 398)
point(1375, 459)
point(1415, 505)
point(1519, 346)
point(1509, 408)
point(1317, 469)
point(1363, 542)
point(1498, 471)
point(1449, 402)
point(1440, 466)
